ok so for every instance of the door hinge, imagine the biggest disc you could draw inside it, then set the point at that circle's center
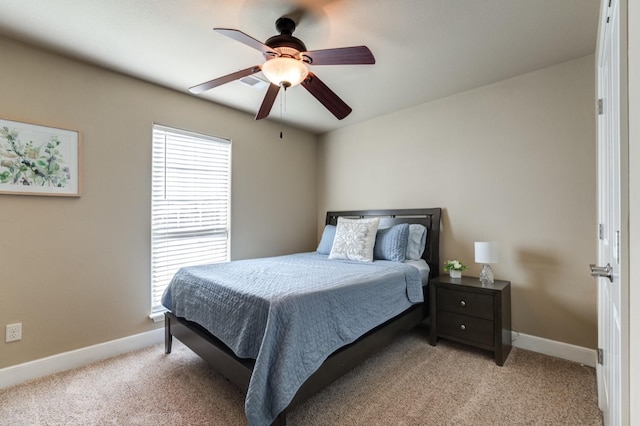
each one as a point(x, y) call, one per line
point(600, 107)
point(601, 231)
point(600, 356)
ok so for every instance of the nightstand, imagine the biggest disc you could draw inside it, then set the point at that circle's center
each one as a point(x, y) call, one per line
point(467, 311)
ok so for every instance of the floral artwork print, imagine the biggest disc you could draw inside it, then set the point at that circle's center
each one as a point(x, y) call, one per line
point(30, 164)
point(39, 160)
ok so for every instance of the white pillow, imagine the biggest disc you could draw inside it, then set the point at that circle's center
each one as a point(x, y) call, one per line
point(416, 242)
point(354, 239)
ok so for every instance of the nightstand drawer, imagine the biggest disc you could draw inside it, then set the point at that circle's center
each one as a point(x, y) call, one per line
point(465, 327)
point(466, 303)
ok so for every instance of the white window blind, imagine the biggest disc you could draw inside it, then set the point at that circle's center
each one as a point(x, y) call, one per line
point(190, 208)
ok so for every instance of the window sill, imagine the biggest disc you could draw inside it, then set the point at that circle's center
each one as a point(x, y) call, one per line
point(157, 316)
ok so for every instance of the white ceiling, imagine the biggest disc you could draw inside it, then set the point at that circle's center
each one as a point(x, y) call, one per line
point(424, 49)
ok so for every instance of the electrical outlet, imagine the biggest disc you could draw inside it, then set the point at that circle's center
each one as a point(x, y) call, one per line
point(14, 332)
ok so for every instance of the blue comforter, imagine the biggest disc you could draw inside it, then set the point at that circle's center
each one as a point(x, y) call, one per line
point(289, 313)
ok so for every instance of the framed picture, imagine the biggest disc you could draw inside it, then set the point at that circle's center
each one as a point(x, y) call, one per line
point(38, 160)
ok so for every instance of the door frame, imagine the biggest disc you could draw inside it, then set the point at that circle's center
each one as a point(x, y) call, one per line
point(624, 203)
point(633, 91)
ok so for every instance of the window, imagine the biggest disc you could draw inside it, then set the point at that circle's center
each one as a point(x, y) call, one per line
point(191, 187)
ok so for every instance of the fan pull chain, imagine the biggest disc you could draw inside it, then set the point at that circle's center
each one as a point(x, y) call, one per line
point(283, 99)
point(281, 115)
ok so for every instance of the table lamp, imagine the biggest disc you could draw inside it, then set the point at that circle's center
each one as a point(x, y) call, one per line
point(486, 253)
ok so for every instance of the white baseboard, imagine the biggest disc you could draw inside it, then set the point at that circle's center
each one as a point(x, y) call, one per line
point(556, 349)
point(67, 360)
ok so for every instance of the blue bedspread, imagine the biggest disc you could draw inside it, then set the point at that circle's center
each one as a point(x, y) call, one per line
point(290, 313)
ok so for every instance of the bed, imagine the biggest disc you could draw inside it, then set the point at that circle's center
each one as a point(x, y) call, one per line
point(278, 374)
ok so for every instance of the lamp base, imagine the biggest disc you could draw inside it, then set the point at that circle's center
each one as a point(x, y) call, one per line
point(486, 275)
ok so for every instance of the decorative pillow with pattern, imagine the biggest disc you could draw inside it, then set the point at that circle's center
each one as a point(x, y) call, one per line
point(391, 243)
point(354, 239)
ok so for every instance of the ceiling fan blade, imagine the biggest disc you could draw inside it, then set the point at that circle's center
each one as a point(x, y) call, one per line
point(224, 79)
point(330, 100)
point(356, 55)
point(268, 101)
point(243, 38)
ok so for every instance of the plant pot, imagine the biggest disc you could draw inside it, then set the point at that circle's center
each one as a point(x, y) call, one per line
point(455, 274)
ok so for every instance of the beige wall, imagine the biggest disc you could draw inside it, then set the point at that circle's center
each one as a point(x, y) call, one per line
point(512, 162)
point(75, 271)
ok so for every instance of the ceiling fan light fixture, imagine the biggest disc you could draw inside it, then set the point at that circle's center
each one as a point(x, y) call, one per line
point(285, 71)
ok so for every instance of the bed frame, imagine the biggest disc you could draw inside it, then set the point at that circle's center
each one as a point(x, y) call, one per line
point(238, 370)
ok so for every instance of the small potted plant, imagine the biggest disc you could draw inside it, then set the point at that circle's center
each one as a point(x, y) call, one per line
point(455, 268)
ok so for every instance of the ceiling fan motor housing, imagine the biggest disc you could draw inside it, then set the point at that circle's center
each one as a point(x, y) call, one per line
point(284, 43)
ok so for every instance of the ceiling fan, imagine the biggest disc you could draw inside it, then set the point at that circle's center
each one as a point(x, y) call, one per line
point(285, 65)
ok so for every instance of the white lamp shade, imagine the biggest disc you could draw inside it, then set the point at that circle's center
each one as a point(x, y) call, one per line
point(486, 252)
point(283, 71)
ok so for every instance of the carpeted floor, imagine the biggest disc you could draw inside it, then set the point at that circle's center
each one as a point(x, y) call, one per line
point(409, 383)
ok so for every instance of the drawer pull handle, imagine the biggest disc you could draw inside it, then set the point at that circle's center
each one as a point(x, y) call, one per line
point(463, 327)
point(463, 303)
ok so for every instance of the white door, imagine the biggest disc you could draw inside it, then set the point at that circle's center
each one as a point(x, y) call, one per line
point(608, 269)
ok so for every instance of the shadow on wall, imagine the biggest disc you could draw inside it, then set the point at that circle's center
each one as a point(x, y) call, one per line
point(457, 248)
point(536, 261)
point(538, 300)
point(451, 247)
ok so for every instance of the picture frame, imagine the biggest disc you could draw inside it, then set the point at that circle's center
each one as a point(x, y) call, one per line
point(39, 160)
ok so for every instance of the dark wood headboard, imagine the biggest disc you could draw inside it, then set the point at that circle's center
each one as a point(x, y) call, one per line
point(430, 218)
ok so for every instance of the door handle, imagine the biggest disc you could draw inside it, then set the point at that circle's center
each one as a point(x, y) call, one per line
point(602, 271)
